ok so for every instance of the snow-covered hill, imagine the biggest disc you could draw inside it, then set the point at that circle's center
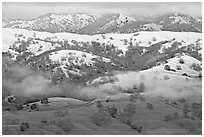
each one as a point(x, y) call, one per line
point(67, 58)
point(180, 22)
point(107, 23)
point(178, 65)
point(69, 54)
point(158, 81)
point(121, 41)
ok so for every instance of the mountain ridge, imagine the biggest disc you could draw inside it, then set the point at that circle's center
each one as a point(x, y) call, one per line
point(87, 23)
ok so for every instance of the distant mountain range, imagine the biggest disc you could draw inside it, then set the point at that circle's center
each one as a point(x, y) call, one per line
point(84, 23)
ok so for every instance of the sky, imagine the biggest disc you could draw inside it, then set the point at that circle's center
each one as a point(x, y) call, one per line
point(30, 10)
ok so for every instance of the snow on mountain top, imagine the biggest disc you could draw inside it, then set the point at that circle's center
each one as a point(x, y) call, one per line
point(61, 16)
point(123, 18)
point(181, 20)
point(116, 21)
point(87, 15)
point(70, 17)
point(53, 22)
point(89, 23)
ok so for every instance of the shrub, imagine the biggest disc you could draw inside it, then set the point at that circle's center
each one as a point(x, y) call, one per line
point(111, 38)
point(83, 55)
point(24, 126)
point(154, 39)
point(34, 107)
point(27, 125)
point(44, 101)
point(200, 75)
point(136, 34)
point(128, 90)
point(173, 70)
point(11, 99)
point(167, 67)
point(44, 121)
point(103, 36)
point(125, 42)
point(149, 106)
point(185, 74)
point(100, 118)
point(158, 63)
point(181, 61)
point(196, 67)
point(137, 127)
point(178, 67)
point(166, 61)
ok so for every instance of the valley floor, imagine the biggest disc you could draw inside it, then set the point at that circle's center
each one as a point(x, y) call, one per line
point(79, 115)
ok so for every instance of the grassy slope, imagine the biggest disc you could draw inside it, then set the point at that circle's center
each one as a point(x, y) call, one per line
point(152, 121)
